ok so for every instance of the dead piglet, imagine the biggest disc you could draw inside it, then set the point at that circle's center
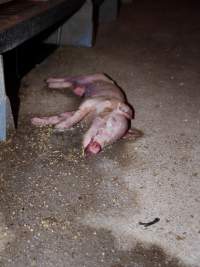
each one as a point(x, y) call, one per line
point(104, 100)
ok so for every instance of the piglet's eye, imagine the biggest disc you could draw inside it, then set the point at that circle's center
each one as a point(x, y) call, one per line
point(124, 108)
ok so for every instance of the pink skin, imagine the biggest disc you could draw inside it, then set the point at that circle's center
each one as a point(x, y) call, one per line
point(78, 90)
point(101, 86)
point(68, 81)
point(44, 121)
point(92, 148)
point(105, 101)
point(104, 131)
point(80, 82)
point(96, 106)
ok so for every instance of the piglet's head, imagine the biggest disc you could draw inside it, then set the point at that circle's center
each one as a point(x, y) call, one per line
point(125, 110)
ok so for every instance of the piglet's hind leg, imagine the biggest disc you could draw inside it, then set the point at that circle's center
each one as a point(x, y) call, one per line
point(56, 83)
point(59, 83)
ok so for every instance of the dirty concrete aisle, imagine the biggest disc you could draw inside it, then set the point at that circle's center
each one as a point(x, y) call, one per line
point(60, 209)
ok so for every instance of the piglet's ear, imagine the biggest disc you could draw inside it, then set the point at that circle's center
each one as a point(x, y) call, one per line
point(125, 110)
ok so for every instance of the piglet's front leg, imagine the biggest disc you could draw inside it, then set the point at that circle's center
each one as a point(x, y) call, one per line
point(74, 119)
point(52, 120)
point(85, 108)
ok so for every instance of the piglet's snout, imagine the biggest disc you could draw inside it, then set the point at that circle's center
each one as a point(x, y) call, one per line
point(92, 148)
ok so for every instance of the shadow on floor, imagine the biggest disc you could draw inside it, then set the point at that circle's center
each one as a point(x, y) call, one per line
point(17, 63)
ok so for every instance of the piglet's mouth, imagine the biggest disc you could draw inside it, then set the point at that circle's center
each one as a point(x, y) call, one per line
point(92, 148)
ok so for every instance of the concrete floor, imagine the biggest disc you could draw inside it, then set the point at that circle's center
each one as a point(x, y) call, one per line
point(60, 209)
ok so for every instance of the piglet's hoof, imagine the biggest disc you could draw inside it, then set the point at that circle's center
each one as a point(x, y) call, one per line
point(38, 122)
